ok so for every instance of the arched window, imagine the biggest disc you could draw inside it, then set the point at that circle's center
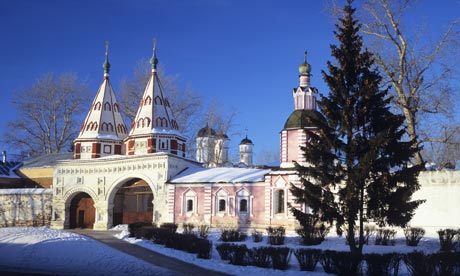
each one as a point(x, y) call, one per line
point(222, 205)
point(110, 127)
point(104, 127)
point(116, 107)
point(161, 122)
point(97, 106)
point(107, 106)
point(221, 201)
point(243, 205)
point(190, 204)
point(148, 101)
point(279, 201)
point(174, 124)
point(158, 100)
point(243, 197)
point(167, 103)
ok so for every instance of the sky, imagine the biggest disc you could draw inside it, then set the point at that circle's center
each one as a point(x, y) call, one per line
point(49, 251)
point(242, 54)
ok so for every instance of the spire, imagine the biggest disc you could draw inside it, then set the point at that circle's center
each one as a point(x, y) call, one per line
point(304, 70)
point(106, 64)
point(154, 60)
point(103, 130)
point(154, 122)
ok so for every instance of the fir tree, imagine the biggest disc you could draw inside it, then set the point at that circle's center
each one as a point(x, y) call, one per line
point(359, 157)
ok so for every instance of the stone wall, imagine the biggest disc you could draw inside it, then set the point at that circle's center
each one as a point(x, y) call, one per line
point(441, 192)
point(25, 207)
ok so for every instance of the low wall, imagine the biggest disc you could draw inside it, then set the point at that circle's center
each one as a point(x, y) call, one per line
point(441, 190)
point(25, 207)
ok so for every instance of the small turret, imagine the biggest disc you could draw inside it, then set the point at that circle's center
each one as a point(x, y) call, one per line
point(246, 151)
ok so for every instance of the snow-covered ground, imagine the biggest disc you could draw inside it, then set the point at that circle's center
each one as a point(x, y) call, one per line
point(43, 250)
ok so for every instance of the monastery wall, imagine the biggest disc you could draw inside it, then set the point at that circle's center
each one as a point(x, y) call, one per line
point(25, 207)
point(441, 190)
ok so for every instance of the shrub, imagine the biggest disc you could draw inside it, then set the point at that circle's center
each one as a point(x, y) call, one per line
point(449, 239)
point(385, 264)
point(232, 235)
point(369, 231)
point(346, 263)
point(203, 231)
point(276, 235)
point(135, 229)
point(280, 257)
point(340, 263)
point(188, 228)
point(413, 235)
point(259, 256)
point(172, 227)
point(238, 254)
point(257, 236)
point(307, 258)
point(327, 262)
point(183, 242)
point(203, 248)
point(147, 232)
point(162, 235)
point(224, 250)
point(385, 236)
point(445, 263)
point(312, 231)
point(418, 263)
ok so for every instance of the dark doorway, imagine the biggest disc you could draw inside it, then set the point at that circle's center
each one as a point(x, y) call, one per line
point(82, 212)
point(133, 203)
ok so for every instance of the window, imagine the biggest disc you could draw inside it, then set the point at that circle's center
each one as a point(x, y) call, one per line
point(107, 149)
point(243, 205)
point(279, 201)
point(221, 199)
point(189, 205)
point(243, 202)
point(222, 205)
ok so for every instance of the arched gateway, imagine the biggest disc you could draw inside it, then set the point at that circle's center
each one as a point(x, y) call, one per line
point(123, 189)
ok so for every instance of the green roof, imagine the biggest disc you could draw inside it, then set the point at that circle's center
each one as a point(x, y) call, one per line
point(303, 119)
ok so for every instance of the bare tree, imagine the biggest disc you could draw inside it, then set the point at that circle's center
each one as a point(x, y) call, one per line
point(47, 111)
point(419, 70)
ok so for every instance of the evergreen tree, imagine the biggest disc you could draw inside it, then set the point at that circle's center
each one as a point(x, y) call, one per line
point(359, 164)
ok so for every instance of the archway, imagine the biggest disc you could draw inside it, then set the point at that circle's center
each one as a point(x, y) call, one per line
point(133, 202)
point(82, 213)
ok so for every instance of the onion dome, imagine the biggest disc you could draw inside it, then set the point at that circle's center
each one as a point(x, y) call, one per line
point(303, 118)
point(154, 60)
point(106, 64)
point(221, 135)
point(305, 68)
point(206, 132)
point(246, 141)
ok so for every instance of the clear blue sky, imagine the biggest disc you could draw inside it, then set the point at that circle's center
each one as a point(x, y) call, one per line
point(243, 53)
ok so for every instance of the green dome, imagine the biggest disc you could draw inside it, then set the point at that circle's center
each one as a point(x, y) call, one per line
point(305, 68)
point(303, 119)
point(206, 132)
point(246, 141)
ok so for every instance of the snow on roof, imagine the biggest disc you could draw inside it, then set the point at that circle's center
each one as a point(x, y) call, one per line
point(7, 169)
point(220, 175)
point(46, 161)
